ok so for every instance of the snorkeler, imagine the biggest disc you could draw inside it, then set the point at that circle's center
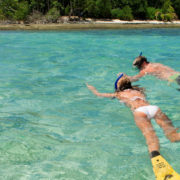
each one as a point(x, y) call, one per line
point(143, 112)
point(156, 69)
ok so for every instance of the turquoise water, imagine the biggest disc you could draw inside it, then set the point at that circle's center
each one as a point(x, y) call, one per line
point(53, 127)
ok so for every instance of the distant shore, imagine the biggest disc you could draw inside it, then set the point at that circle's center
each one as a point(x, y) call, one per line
point(98, 24)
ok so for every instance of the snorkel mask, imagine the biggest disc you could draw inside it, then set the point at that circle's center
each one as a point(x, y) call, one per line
point(115, 84)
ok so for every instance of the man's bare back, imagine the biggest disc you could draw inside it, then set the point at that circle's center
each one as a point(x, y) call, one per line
point(159, 70)
point(156, 69)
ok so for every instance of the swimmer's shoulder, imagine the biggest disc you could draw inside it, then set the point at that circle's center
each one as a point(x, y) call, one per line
point(121, 94)
point(151, 67)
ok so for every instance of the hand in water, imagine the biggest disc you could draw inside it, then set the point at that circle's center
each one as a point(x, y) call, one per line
point(90, 87)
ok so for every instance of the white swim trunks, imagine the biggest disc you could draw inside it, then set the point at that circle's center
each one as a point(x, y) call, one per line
point(149, 110)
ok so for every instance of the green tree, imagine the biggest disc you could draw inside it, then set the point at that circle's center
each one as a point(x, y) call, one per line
point(2, 17)
point(79, 7)
point(167, 7)
point(104, 8)
point(176, 5)
point(67, 10)
point(91, 9)
point(151, 13)
point(139, 9)
point(123, 9)
point(167, 12)
point(22, 11)
point(8, 8)
point(126, 13)
point(115, 13)
point(38, 5)
point(52, 15)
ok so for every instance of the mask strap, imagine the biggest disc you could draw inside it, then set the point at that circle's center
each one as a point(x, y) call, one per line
point(115, 84)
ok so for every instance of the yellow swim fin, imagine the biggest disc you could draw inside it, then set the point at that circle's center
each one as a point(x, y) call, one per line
point(162, 169)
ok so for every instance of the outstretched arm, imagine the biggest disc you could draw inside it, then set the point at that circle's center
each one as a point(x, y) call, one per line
point(93, 89)
point(137, 77)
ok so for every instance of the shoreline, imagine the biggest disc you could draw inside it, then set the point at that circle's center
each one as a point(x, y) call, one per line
point(112, 24)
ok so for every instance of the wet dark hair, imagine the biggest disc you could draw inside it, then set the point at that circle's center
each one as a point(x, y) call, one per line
point(125, 86)
point(139, 61)
point(125, 83)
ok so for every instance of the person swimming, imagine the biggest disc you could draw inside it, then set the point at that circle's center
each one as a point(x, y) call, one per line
point(143, 112)
point(156, 69)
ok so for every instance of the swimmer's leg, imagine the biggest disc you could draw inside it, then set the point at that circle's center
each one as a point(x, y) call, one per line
point(178, 79)
point(144, 124)
point(178, 82)
point(165, 123)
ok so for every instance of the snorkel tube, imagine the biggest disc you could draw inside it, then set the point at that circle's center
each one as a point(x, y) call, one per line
point(140, 54)
point(115, 84)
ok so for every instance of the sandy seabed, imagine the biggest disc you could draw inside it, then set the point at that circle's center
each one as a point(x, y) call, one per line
point(113, 24)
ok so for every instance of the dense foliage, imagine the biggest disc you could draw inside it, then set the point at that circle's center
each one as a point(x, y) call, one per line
point(51, 10)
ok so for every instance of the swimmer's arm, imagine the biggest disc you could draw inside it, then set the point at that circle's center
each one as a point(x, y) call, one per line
point(137, 77)
point(93, 89)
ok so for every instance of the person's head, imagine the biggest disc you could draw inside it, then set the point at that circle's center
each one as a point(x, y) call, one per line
point(122, 83)
point(140, 61)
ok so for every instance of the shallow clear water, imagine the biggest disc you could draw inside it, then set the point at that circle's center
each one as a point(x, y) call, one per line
point(53, 127)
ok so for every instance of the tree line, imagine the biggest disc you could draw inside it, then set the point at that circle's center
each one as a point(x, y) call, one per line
point(22, 10)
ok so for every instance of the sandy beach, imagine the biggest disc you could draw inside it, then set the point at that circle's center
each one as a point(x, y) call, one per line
point(98, 24)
